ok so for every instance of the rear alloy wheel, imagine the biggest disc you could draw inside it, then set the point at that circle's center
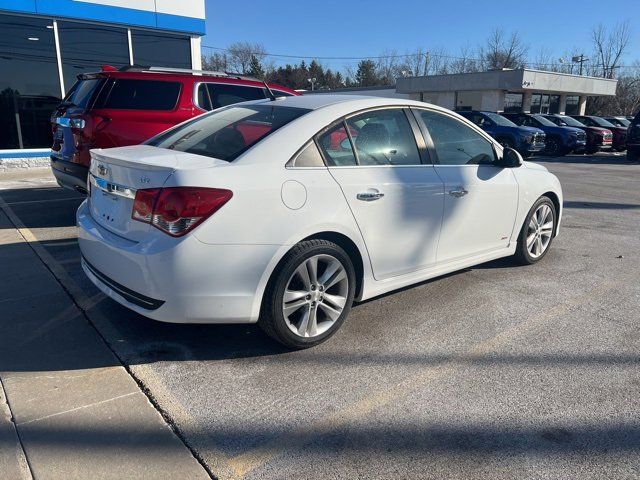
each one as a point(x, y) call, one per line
point(537, 232)
point(310, 295)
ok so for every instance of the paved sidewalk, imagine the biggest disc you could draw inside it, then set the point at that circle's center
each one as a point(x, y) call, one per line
point(71, 409)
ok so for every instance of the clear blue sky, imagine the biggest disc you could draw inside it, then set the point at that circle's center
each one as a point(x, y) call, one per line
point(357, 28)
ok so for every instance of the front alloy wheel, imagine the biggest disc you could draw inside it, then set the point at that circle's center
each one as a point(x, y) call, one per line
point(537, 232)
point(309, 295)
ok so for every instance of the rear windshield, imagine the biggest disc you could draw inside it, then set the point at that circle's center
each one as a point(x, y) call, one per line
point(227, 133)
point(127, 94)
point(82, 92)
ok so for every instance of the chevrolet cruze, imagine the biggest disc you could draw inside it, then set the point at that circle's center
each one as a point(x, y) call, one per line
point(285, 211)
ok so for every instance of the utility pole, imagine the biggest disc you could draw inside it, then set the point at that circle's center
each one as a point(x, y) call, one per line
point(580, 59)
point(426, 63)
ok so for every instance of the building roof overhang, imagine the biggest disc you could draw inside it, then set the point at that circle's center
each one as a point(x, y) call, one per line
point(521, 80)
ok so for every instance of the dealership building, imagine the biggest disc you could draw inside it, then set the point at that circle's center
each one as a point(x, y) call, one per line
point(47, 43)
point(521, 90)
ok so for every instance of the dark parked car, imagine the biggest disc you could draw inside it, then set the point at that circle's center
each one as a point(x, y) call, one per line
point(597, 138)
point(559, 140)
point(619, 133)
point(115, 108)
point(526, 140)
point(633, 139)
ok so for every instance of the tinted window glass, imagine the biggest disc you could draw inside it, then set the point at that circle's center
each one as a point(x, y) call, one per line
point(203, 99)
point(336, 147)
point(226, 133)
point(384, 137)
point(29, 82)
point(86, 48)
point(308, 157)
point(160, 50)
point(222, 94)
point(139, 95)
point(82, 92)
point(456, 143)
point(513, 102)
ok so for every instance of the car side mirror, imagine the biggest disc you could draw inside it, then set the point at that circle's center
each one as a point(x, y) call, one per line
point(511, 158)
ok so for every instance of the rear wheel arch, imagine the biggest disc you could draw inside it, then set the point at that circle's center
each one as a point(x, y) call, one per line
point(350, 248)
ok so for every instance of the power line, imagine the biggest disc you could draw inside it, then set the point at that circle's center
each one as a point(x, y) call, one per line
point(395, 55)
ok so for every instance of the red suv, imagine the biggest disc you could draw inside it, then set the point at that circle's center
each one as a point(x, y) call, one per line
point(114, 108)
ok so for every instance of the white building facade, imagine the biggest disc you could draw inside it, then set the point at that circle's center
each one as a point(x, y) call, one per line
point(523, 90)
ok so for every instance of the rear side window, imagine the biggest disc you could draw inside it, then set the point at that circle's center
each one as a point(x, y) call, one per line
point(216, 95)
point(126, 94)
point(227, 133)
point(336, 146)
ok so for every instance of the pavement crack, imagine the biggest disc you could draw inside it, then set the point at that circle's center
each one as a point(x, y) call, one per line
point(76, 408)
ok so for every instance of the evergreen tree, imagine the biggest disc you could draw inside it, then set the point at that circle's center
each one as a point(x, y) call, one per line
point(366, 75)
point(255, 68)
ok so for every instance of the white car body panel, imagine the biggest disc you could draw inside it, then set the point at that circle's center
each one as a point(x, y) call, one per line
point(218, 272)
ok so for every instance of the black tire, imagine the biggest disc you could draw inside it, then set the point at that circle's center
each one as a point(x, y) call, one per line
point(506, 142)
point(272, 319)
point(592, 150)
point(632, 156)
point(554, 148)
point(522, 255)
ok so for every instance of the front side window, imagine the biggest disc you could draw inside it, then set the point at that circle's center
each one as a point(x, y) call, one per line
point(455, 143)
point(126, 94)
point(227, 133)
point(384, 137)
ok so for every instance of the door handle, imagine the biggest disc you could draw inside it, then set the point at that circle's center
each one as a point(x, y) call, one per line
point(458, 192)
point(370, 196)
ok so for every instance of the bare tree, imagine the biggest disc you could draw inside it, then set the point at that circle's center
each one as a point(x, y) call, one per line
point(503, 52)
point(609, 47)
point(240, 55)
point(388, 67)
point(466, 62)
point(217, 61)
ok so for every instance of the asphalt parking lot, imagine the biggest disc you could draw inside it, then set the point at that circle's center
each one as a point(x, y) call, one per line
point(499, 371)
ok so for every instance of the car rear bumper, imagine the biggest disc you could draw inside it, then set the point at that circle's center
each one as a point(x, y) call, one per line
point(176, 280)
point(70, 175)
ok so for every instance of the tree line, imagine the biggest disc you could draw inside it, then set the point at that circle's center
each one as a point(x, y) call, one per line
point(500, 50)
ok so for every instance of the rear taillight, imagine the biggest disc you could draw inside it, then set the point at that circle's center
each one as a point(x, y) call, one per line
point(177, 210)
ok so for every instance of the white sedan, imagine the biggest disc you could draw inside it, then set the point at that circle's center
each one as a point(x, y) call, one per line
point(285, 211)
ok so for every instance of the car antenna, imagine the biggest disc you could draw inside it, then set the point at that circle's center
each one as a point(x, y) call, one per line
point(270, 93)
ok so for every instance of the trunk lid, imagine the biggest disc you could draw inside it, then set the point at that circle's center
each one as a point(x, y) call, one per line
point(117, 173)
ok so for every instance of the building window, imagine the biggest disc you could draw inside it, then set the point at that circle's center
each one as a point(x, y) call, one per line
point(573, 105)
point(160, 50)
point(536, 100)
point(554, 106)
point(513, 102)
point(85, 48)
point(29, 83)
